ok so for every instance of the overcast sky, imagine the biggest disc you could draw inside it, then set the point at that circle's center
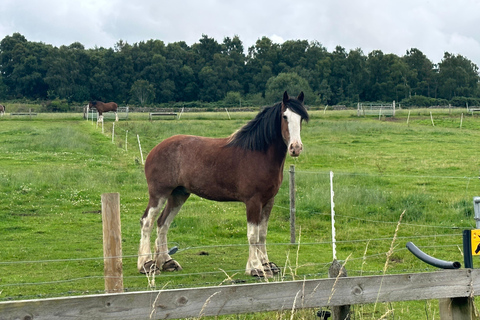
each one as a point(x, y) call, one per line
point(433, 27)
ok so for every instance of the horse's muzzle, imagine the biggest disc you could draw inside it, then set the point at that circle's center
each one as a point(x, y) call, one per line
point(295, 149)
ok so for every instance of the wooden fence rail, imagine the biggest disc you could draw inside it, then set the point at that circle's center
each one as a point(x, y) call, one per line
point(455, 285)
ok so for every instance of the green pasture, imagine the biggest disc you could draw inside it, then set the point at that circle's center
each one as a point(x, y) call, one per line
point(54, 168)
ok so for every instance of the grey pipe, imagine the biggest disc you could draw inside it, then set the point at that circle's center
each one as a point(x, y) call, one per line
point(431, 260)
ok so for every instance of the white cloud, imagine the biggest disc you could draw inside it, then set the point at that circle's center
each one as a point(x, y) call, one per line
point(276, 39)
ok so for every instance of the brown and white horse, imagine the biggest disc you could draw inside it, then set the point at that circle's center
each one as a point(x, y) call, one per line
point(246, 167)
point(2, 110)
point(103, 107)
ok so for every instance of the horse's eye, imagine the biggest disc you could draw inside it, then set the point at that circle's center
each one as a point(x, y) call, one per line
point(284, 117)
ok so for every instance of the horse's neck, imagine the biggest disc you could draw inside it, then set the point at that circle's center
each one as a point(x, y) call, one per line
point(277, 152)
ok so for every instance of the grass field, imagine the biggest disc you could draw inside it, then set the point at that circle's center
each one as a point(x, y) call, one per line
point(54, 168)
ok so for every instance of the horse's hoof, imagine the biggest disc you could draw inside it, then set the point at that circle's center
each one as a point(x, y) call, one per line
point(261, 273)
point(268, 270)
point(171, 265)
point(272, 267)
point(150, 267)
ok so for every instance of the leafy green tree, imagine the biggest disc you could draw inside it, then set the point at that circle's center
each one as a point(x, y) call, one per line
point(187, 81)
point(209, 85)
point(205, 50)
point(290, 82)
point(67, 73)
point(142, 53)
point(142, 91)
point(261, 64)
point(155, 72)
point(181, 69)
point(13, 51)
point(213, 71)
point(167, 90)
point(231, 66)
point(3, 89)
point(421, 78)
point(357, 71)
point(100, 81)
point(322, 71)
point(121, 69)
point(325, 93)
point(400, 73)
point(308, 68)
point(385, 76)
point(457, 76)
point(292, 53)
point(232, 99)
point(339, 75)
point(21, 66)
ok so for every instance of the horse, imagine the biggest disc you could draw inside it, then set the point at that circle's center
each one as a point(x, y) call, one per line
point(2, 109)
point(245, 167)
point(103, 107)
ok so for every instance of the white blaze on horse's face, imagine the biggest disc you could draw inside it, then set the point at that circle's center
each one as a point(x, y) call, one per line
point(294, 121)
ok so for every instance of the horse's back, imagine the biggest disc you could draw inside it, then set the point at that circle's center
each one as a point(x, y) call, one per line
point(192, 162)
point(110, 106)
point(209, 168)
point(103, 106)
point(183, 150)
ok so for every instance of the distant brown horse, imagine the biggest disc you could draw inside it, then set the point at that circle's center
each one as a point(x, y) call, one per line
point(2, 109)
point(245, 167)
point(104, 107)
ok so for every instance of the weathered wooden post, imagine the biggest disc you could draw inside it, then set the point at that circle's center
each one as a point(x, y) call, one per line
point(460, 308)
point(112, 242)
point(292, 204)
point(336, 270)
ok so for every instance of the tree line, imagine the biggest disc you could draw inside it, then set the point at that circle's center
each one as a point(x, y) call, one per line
point(152, 72)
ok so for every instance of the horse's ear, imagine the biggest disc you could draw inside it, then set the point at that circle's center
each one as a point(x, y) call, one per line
point(285, 97)
point(300, 97)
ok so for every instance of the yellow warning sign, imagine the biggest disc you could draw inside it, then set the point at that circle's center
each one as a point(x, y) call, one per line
point(475, 238)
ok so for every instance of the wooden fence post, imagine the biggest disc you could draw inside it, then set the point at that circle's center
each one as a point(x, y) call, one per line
point(292, 204)
point(112, 242)
point(336, 270)
point(460, 308)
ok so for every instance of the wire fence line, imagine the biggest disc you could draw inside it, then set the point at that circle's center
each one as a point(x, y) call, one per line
point(165, 278)
point(385, 175)
point(370, 220)
point(242, 245)
point(338, 216)
point(205, 247)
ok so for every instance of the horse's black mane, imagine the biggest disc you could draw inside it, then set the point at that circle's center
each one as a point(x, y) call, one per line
point(260, 132)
